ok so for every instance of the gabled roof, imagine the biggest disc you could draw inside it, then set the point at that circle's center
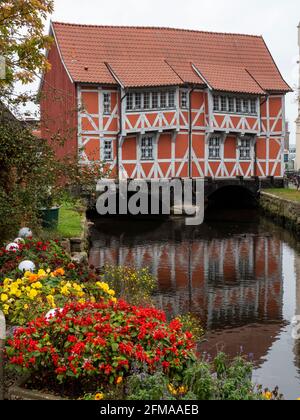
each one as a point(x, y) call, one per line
point(142, 56)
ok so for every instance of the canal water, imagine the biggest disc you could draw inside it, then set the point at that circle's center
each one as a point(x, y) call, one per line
point(238, 272)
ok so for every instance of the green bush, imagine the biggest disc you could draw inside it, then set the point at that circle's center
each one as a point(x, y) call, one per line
point(134, 286)
point(221, 379)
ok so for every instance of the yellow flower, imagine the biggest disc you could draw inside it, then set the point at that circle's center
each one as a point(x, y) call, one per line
point(32, 294)
point(77, 287)
point(268, 395)
point(6, 282)
point(119, 380)
point(183, 390)
point(99, 397)
point(42, 273)
point(111, 293)
point(65, 291)
point(4, 297)
point(5, 309)
point(37, 285)
point(51, 301)
point(114, 300)
point(26, 307)
point(172, 390)
point(103, 286)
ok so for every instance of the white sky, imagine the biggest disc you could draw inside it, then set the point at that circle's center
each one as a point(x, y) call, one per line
point(276, 20)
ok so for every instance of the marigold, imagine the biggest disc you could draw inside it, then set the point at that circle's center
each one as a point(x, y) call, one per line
point(4, 297)
point(59, 272)
point(119, 380)
point(268, 395)
point(99, 397)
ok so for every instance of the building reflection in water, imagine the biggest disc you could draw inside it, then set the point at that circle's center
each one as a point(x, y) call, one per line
point(232, 282)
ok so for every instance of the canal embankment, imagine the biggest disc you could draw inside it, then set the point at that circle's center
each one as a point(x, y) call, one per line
point(283, 206)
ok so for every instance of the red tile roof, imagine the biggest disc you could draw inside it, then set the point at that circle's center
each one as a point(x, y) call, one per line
point(229, 79)
point(142, 56)
point(148, 73)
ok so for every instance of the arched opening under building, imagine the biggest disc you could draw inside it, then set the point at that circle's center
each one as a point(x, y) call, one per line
point(231, 202)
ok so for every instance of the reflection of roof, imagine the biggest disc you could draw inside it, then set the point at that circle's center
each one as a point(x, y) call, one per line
point(163, 56)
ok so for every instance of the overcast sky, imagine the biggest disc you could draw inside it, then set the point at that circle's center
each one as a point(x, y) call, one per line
point(276, 20)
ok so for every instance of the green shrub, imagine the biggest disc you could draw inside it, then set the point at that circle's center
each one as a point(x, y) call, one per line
point(134, 286)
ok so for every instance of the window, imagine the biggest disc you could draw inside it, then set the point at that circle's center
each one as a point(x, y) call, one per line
point(130, 101)
point(172, 99)
point(216, 103)
point(107, 103)
point(108, 152)
point(138, 101)
point(245, 149)
point(155, 100)
point(214, 147)
point(231, 107)
point(253, 106)
point(184, 100)
point(238, 102)
point(223, 103)
point(239, 105)
point(146, 100)
point(163, 100)
point(147, 148)
point(245, 106)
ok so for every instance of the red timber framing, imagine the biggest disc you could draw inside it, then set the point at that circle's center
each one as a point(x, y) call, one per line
point(188, 124)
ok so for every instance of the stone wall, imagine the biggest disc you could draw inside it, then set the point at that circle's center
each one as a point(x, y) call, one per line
point(282, 211)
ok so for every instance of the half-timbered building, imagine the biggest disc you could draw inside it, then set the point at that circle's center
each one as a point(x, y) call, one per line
point(165, 103)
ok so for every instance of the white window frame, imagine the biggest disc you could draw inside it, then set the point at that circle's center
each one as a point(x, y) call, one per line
point(228, 104)
point(246, 145)
point(172, 93)
point(107, 103)
point(216, 100)
point(141, 100)
point(184, 104)
point(103, 149)
point(147, 136)
point(214, 139)
point(139, 106)
point(132, 101)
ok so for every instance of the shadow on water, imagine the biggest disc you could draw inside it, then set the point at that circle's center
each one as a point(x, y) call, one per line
point(238, 272)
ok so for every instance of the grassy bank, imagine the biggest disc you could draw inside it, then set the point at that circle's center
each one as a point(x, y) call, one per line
point(286, 193)
point(69, 225)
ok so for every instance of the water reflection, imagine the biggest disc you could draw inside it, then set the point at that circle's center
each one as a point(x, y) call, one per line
point(241, 278)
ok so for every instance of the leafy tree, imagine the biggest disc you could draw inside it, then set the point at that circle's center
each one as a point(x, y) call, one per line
point(31, 177)
point(23, 42)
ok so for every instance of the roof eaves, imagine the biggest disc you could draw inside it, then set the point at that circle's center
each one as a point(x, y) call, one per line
point(59, 51)
point(289, 89)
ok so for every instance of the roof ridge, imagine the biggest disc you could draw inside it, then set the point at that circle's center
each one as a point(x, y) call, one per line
point(165, 28)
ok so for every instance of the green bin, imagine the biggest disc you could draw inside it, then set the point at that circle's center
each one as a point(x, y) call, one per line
point(49, 218)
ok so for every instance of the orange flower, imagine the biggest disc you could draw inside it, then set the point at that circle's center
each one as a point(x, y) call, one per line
point(33, 278)
point(59, 272)
point(119, 380)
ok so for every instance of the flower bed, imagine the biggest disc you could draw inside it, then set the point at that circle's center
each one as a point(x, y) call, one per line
point(44, 255)
point(26, 298)
point(89, 347)
point(97, 347)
